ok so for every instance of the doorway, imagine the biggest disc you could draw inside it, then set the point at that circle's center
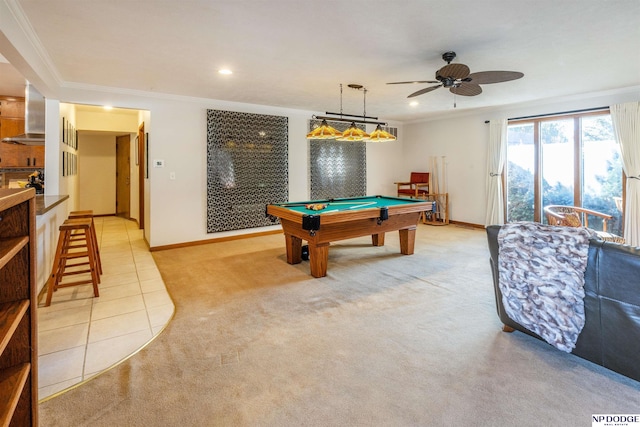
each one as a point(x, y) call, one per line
point(123, 176)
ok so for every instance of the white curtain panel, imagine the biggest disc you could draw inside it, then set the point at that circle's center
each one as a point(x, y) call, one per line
point(626, 126)
point(495, 164)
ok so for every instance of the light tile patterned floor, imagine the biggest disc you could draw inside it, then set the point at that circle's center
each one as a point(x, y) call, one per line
point(80, 336)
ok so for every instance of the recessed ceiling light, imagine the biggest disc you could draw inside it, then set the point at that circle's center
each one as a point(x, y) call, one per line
point(108, 107)
point(225, 71)
point(414, 103)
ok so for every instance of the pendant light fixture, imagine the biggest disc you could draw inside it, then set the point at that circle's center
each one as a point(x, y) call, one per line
point(353, 133)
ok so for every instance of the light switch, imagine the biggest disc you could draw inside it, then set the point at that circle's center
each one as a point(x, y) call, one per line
point(172, 175)
point(158, 163)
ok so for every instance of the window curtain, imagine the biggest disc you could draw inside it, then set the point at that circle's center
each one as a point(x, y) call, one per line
point(626, 127)
point(495, 164)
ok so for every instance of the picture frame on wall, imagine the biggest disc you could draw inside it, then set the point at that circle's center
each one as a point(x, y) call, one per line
point(63, 129)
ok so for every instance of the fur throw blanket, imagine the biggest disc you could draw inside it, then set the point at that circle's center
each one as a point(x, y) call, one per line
point(541, 271)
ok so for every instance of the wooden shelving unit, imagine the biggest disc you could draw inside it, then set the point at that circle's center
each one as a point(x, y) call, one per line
point(18, 328)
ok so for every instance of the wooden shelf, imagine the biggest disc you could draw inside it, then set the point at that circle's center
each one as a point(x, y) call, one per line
point(12, 382)
point(18, 328)
point(10, 247)
point(11, 314)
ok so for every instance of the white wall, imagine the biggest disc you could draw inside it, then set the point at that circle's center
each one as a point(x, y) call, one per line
point(97, 173)
point(178, 136)
point(463, 143)
point(464, 138)
point(68, 184)
point(385, 165)
point(176, 210)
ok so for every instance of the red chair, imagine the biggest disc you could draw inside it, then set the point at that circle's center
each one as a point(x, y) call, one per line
point(417, 187)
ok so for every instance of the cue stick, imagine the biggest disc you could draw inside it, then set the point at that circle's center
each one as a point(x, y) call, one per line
point(363, 205)
point(348, 203)
point(352, 207)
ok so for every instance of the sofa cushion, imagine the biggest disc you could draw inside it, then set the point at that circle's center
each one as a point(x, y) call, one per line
point(618, 278)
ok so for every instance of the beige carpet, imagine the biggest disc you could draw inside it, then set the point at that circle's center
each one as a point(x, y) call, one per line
point(383, 340)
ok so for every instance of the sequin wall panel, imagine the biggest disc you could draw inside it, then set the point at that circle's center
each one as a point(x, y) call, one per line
point(247, 168)
point(337, 168)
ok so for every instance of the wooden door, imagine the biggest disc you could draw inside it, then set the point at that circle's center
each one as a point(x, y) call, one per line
point(142, 155)
point(123, 176)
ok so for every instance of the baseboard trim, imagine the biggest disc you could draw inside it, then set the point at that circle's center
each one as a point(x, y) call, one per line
point(467, 224)
point(215, 240)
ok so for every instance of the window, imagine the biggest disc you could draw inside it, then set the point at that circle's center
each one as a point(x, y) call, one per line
point(564, 160)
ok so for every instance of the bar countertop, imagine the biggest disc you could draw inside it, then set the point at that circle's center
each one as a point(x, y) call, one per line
point(45, 203)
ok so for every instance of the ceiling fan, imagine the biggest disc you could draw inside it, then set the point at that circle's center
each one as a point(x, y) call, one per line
point(459, 79)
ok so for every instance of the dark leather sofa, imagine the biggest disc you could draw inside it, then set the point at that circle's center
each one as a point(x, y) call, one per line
point(611, 334)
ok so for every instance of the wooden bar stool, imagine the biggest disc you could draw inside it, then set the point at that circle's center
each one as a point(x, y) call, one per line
point(89, 214)
point(74, 243)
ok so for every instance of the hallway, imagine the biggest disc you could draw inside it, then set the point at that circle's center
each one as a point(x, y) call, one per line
point(80, 336)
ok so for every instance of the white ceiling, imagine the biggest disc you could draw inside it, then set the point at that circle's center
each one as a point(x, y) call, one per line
point(296, 53)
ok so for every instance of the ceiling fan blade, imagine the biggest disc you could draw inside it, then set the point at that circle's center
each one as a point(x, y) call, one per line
point(455, 71)
point(423, 91)
point(414, 82)
point(466, 89)
point(487, 77)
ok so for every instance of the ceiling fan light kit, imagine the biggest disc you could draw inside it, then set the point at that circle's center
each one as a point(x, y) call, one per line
point(459, 79)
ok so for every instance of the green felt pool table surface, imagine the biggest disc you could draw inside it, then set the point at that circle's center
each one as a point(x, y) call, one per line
point(347, 204)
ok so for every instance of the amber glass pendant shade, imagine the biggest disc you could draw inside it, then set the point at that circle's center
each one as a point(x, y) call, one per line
point(324, 131)
point(380, 135)
point(353, 134)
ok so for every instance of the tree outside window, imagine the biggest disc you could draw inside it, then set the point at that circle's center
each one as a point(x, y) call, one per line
point(577, 152)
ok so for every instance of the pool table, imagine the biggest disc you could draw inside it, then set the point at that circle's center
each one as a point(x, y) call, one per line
point(321, 222)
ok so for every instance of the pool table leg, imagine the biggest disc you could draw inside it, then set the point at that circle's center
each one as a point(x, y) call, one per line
point(294, 249)
point(318, 258)
point(377, 239)
point(407, 240)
